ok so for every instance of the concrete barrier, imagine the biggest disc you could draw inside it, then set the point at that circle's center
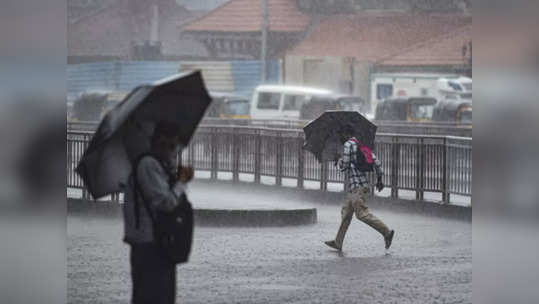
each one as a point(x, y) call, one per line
point(208, 217)
point(317, 197)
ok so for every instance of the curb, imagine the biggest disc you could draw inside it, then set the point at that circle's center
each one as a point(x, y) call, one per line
point(208, 217)
point(317, 197)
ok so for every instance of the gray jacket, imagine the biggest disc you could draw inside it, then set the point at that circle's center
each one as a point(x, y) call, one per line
point(155, 189)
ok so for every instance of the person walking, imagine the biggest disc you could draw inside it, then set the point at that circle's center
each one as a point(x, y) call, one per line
point(157, 185)
point(358, 187)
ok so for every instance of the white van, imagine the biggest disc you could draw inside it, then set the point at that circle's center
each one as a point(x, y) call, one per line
point(404, 85)
point(281, 101)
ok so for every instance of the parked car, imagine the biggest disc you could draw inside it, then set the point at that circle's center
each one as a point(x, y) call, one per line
point(414, 109)
point(404, 85)
point(282, 101)
point(459, 111)
point(319, 104)
point(228, 105)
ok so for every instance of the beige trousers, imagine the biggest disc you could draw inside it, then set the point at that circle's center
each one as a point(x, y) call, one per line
point(355, 203)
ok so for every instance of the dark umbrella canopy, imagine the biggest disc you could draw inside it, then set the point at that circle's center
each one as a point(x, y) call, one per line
point(125, 132)
point(322, 135)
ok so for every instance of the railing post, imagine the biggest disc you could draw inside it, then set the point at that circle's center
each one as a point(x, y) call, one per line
point(258, 145)
point(85, 194)
point(235, 156)
point(445, 171)
point(395, 167)
point(191, 152)
point(420, 165)
point(115, 197)
point(301, 162)
point(69, 166)
point(324, 176)
point(214, 157)
point(279, 159)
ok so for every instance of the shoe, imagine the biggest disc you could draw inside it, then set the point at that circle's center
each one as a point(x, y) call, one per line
point(389, 239)
point(333, 245)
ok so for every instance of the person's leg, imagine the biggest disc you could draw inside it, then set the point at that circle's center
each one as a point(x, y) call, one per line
point(363, 214)
point(135, 274)
point(154, 278)
point(347, 212)
point(169, 282)
point(140, 274)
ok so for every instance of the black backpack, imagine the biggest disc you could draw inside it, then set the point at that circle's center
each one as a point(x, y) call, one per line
point(364, 161)
point(172, 232)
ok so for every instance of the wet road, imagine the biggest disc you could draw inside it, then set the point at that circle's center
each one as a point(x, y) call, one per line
point(430, 262)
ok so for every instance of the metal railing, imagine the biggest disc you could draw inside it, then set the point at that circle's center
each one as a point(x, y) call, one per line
point(423, 128)
point(411, 162)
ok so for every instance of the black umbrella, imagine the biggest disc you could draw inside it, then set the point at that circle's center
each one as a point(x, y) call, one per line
point(322, 135)
point(125, 132)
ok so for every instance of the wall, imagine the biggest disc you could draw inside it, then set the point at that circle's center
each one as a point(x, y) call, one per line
point(362, 71)
point(328, 72)
point(239, 77)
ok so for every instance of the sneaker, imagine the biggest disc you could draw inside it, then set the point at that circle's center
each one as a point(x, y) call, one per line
point(333, 245)
point(389, 239)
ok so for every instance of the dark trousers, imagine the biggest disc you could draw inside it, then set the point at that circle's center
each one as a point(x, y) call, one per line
point(154, 278)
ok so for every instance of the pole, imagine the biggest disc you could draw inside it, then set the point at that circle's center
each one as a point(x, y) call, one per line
point(264, 42)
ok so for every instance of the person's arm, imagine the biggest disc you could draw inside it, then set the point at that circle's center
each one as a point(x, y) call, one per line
point(379, 172)
point(153, 182)
point(377, 166)
point(344, 162)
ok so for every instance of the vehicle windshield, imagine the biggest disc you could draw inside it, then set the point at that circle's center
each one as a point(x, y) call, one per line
point(466, 116)
point(421, 112)
point(237, 107)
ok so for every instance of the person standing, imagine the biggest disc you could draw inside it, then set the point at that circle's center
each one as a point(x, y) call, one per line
point(157, 185)
point(358, 187)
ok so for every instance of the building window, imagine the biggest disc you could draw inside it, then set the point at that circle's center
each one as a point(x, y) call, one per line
point(384, 91)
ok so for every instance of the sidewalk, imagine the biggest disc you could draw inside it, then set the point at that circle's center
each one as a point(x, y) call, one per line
point(430, 260)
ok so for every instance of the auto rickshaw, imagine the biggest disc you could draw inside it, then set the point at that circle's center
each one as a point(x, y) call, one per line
point(229, 106)
point(319, 104)
point(459, 111)
point(412, 109)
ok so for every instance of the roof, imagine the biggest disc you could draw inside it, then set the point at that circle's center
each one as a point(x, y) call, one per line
point(110, 31)
point(443, 50)
point(246, 16)
point(369, 37)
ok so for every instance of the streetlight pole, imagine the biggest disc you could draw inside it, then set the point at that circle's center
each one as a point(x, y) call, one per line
point(264, 42)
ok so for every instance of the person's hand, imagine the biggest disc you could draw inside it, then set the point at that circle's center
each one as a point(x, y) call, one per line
point(336, 158)
point(185, 174)
point(379, 184)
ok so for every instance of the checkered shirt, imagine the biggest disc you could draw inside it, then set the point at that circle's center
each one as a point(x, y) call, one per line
point(355, 177)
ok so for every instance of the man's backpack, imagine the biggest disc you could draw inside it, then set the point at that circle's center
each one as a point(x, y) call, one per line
point(172, 232)
point(363, 161)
